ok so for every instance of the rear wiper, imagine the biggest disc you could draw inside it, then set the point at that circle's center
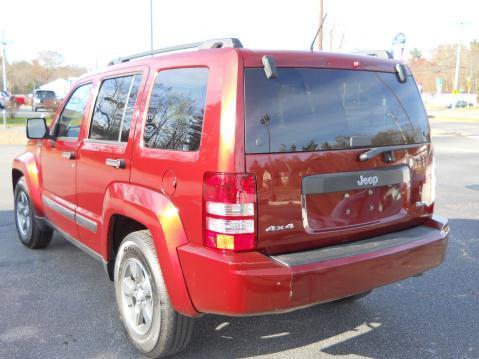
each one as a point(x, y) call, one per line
point(373, 152)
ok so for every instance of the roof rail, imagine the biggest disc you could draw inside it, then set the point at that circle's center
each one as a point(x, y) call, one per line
point(208, 44)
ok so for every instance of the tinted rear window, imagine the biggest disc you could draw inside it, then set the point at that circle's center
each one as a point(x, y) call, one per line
point(176, 110)
point(323, 109)
point(45, 94)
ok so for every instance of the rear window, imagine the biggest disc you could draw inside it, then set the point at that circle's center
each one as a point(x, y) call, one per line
point(307, 109)
point(45, 94)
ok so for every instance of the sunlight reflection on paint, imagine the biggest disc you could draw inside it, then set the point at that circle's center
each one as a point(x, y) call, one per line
point(168, 221)
point(227, 130)
point(169, 212)
point(33, 171)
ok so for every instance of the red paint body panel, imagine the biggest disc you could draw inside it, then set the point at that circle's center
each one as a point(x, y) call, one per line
point(279, 198)
point(28, 163)
point(252, 283)
point(203, 280)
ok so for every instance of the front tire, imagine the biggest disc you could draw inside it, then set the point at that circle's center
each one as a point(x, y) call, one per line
point(150, 322)
point(28, 228)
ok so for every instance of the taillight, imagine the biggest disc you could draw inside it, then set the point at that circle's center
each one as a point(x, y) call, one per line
point(229, 211)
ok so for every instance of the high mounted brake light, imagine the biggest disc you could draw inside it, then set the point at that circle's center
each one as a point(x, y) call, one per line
point(229, 211)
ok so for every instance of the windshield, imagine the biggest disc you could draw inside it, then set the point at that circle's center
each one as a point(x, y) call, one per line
point(306, 109)
point(45, 94)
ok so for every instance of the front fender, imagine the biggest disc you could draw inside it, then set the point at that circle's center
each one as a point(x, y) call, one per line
point(161, 217)
point(27, 164)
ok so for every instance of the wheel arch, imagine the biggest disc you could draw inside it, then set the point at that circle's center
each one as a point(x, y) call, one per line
point(25, 165)
point(144, 208)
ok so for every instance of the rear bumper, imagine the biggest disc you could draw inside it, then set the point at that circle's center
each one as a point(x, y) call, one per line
point(251, 283)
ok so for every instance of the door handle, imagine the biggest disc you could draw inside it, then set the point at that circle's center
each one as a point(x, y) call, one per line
point(68, 155)
point(117, 163)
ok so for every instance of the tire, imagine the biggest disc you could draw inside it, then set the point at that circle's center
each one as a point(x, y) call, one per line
point(353, 298)
point(28, 228)
point(166, 332)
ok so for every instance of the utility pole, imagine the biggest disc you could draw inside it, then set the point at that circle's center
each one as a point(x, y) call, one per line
point(458, 60)
point(4, 43)
point(321, 17)
point(151, 25)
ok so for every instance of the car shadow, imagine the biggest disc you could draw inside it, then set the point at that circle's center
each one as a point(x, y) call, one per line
point(379, 325)
point(60, 303)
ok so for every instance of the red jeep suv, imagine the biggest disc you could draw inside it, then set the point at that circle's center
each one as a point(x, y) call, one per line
point(238, 182)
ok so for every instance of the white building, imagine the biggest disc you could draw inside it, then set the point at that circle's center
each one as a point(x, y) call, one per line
point(60, 86)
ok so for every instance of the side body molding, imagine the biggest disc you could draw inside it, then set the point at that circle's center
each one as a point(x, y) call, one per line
point(161, 217)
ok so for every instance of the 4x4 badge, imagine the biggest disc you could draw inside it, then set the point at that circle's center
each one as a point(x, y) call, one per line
point(279, 228)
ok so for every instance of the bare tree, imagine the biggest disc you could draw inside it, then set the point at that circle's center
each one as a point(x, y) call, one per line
point(49, 60)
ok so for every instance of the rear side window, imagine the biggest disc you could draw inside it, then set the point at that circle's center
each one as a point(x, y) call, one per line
point(307, 109)
point(114, 108)
point(176, 110)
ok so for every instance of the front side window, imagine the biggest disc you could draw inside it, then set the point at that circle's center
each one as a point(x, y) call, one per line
point(72, 114)
point(176, 110)
point(114, 108)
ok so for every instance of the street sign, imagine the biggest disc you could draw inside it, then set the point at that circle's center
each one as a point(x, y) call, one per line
point(399, 39)
point(399, 43)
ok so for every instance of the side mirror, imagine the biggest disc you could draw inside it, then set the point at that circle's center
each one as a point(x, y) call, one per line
point(37, 128)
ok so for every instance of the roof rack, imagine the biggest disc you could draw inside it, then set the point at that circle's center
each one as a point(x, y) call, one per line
point(208, 44)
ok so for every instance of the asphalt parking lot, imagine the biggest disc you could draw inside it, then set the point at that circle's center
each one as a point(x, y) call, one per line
point(58, 303)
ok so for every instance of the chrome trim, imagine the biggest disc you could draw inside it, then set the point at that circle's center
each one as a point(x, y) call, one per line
point(116, 163)
point(126, 106)
point(68, 155)
point(104, 142)
point(66, 139)
point(86, 223)
point(60, 209)
point(374, 151)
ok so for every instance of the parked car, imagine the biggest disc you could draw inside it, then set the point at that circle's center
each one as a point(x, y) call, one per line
point(4, 99)
point(44, 99)
point(235, 182)
point(460, 104)
point(20, 100)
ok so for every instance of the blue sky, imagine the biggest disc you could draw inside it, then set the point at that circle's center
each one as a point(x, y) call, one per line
point(92, 32)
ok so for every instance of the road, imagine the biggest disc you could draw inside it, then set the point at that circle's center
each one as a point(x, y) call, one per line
point(26, 112)
point(58, 303)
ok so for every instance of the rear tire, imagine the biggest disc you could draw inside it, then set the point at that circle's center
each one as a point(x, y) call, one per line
point(28, 227)
point(150, 322)
point(352, 298)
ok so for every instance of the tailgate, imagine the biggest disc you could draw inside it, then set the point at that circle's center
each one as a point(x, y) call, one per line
point(304, 133)
point(304, 203)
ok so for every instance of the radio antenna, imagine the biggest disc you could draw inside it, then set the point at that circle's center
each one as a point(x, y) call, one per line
point(317, 33)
